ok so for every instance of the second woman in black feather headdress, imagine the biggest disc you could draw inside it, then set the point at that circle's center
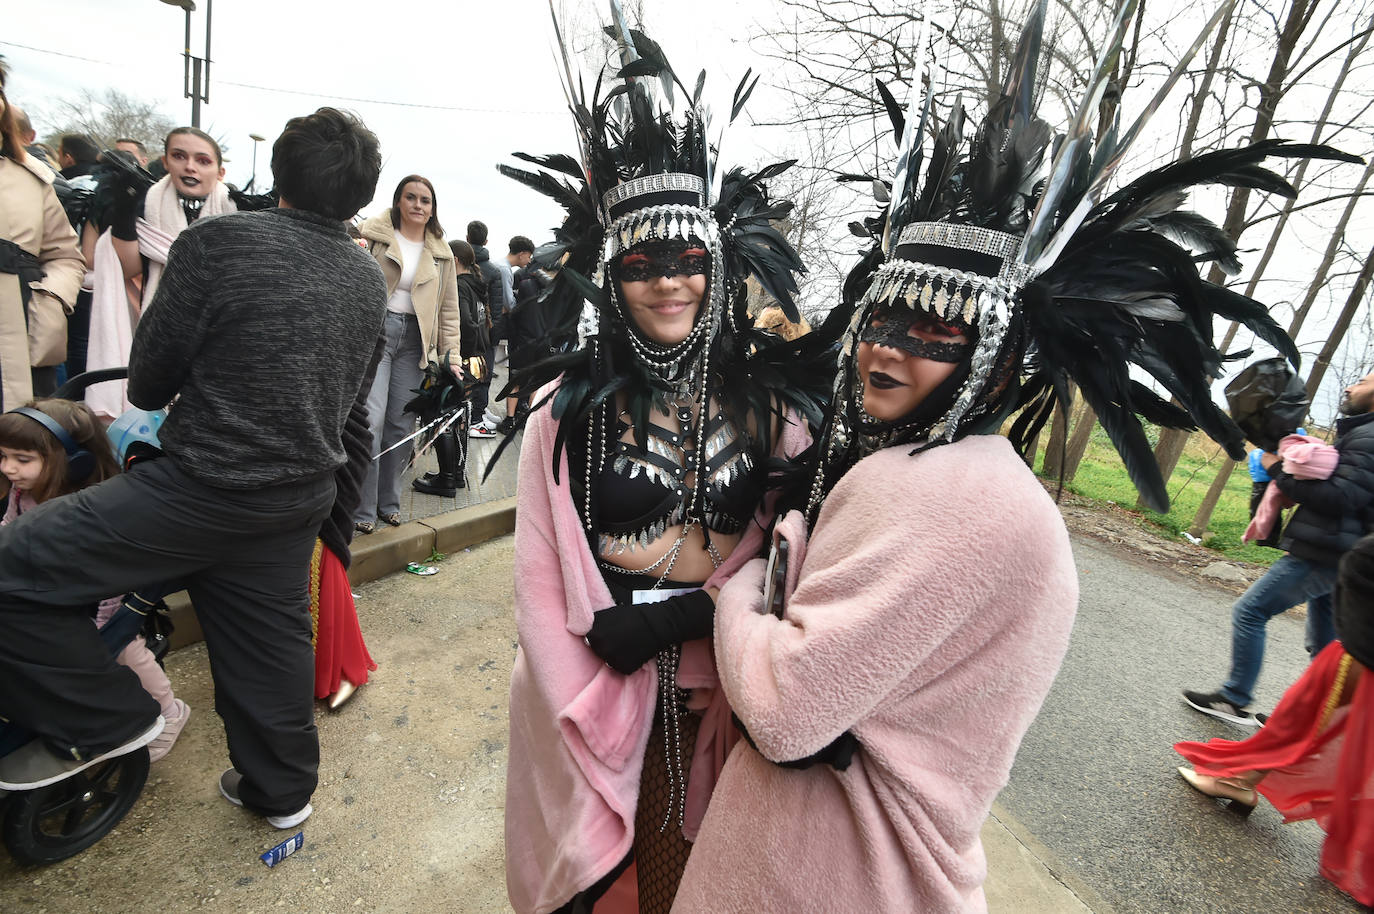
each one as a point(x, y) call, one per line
point(642, 479)
point(931, 587)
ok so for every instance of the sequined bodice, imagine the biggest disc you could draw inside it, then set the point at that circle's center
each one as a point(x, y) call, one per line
point(641, 492)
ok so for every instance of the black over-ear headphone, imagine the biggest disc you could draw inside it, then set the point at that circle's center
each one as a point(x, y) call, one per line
point(80, 462)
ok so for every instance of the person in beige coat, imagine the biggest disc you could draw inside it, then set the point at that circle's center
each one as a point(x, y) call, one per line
point(422, 323)
point(40, 269)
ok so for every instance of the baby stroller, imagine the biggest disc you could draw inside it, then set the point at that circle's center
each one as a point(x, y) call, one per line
point(61, 819)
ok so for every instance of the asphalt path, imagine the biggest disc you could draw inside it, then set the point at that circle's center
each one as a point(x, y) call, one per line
point(1095, 784)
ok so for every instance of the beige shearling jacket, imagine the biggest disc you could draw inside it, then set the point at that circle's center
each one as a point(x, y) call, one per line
point(434, 289)
point(32, 218)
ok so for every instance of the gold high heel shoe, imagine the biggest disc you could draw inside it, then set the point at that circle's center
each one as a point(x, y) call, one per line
point(1243, 797)
point(345, 692)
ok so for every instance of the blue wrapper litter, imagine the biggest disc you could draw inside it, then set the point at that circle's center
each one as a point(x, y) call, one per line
point(285, 849)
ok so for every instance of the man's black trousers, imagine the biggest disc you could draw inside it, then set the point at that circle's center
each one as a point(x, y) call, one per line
point(244, 556)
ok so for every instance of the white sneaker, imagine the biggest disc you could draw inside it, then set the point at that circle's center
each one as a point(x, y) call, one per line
point(229, 789)
point(482, 429)
point(32, 766)
point(162, 743)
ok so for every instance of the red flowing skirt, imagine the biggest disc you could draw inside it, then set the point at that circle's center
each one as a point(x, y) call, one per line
point(1320, 764)
point(339, 649)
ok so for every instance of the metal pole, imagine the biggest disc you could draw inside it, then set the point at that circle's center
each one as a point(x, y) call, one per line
point(209, 7)
point(195, 91)
point(186, 60)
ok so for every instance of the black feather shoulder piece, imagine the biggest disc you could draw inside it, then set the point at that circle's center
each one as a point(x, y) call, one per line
point(1052, 281)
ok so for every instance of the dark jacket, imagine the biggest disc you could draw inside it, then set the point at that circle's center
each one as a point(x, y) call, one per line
point(472, 303)
point(1333, 514)
point(491, 275)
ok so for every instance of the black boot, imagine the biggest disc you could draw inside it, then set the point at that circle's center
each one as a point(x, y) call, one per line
point(448, 480)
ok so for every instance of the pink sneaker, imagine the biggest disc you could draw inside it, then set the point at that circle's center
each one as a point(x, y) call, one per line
point(162, 743)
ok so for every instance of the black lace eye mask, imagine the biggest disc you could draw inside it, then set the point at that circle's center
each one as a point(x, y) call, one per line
point(650, 261)
point(893, 327)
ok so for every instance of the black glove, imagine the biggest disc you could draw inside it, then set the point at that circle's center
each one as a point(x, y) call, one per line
point(628, 635)
point(837, 755)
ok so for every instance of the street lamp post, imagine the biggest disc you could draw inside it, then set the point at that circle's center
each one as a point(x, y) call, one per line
point(195, 70)
point(252, 179)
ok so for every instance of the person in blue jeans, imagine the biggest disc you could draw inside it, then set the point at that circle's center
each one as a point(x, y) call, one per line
point(1332, 515)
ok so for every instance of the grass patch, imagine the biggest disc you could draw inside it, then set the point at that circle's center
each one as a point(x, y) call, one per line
point(1102, 477)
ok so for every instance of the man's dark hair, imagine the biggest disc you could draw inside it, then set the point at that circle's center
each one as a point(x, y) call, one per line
point(80, 147)
point(520, 245)
point(142, 149)
point(477, 232)
point(327, 162)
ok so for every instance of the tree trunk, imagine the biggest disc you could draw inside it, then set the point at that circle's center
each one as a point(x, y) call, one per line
point(1333, 247)
point(1078, 444)
point(1352, 304)
point(1172, 440)
point(1054, 449)
point(1209, 501)
point(1270, 92)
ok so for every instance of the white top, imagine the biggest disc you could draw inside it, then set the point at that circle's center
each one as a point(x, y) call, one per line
point(409, 252)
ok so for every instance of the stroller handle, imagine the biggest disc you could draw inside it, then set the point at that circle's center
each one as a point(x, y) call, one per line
point(76, 386)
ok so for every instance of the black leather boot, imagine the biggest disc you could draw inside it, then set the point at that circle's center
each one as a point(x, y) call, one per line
point(449, 479)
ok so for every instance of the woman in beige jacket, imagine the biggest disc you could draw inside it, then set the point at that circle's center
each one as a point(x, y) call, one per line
point(40, 269)
point(422, 322)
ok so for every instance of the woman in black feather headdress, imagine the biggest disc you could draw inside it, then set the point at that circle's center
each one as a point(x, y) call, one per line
point(642, 478)
point(930, 588)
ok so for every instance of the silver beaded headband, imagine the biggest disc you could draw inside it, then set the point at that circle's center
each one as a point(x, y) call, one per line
point(985, 303)
point(669, 182)
point(1001, 245)
point(667, 222)
point(664, 222)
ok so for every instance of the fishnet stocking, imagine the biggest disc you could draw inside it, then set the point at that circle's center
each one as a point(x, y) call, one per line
point(661, 856)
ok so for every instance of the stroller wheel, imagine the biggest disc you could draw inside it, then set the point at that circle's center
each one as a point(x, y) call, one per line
point(55, 822)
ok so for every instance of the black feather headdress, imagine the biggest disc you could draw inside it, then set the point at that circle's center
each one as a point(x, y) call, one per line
point(1055, 284)
point(647, 170)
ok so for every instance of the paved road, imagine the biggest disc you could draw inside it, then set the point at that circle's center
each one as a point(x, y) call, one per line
point(1094, 782)
point(408, 814)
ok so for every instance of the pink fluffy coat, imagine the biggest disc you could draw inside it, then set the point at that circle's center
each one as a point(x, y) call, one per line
point(931, 611)
point(578, 729)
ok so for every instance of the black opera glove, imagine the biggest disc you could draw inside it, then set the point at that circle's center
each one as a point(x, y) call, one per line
point(629, 635)
point(837, 755)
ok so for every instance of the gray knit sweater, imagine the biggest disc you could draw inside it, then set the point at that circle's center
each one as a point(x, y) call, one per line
point(263, 325)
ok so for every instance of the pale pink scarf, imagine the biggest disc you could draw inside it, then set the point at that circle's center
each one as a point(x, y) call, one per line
point(164, 219)
point(113, 316)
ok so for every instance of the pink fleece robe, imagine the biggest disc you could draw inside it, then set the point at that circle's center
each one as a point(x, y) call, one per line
point(931, 612)
point(578, 729)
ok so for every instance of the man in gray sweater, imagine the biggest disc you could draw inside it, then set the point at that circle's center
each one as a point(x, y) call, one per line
point(262, 329)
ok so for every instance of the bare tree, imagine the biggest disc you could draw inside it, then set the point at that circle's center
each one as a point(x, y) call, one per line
point(110, 116)
point(1171, 441)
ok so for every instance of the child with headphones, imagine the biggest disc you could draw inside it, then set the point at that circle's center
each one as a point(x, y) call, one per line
point(51, 448)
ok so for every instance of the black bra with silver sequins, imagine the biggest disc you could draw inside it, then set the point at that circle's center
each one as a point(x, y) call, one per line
point(641, 492)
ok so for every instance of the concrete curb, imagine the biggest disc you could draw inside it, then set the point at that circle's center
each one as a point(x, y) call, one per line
point(389, 549)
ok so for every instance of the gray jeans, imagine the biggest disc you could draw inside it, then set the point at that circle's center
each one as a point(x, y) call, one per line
point(398, 375)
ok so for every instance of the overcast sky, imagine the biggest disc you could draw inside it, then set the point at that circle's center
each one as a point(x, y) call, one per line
point(450, 88)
